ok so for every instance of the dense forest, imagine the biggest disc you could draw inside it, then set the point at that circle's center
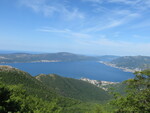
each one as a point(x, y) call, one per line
point(74, 88)
point(31, 95)
point(22, 93)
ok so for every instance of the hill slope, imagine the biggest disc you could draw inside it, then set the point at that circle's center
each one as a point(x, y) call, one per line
point(38, 95)
point(107, 58)
point(13, 76)
point(132, 62)
point(41, 94)
point(74, 88)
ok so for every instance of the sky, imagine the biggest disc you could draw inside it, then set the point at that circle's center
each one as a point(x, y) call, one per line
point(91, 27)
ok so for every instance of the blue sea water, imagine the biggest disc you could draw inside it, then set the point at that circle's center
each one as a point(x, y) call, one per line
point(88, 69)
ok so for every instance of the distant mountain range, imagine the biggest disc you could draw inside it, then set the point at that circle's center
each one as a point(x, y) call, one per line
point(50, 57)
point(132, 62)
point(128, 63)
point(107, 58)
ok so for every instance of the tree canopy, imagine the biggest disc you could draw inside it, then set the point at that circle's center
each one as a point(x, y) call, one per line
point(137, 99)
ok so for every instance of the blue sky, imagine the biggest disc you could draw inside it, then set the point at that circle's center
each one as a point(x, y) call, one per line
point(93, 27)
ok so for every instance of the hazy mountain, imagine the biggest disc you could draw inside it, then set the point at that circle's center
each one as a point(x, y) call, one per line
point(47, 57)
point(132, 62)
point(107, 57)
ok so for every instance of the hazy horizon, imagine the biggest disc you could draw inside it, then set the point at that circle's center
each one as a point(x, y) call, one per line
point(40, 52)
point(90, 27)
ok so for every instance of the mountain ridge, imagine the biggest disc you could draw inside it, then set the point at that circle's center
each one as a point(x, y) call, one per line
point(74, 88)
point(53, 85)
point(33, 96)
point(135, 63)
point(47, 57)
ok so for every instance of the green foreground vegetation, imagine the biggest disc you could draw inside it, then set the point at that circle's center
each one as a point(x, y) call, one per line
point(30, 95)
point(15, 100)
point(137, 98)
point(22, 93)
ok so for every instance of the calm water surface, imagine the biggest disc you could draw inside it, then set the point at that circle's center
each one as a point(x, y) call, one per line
point(92, 70)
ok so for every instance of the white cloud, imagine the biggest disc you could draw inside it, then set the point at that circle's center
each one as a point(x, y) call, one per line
point(68, 32)
point(53, 30)
point(139, 5)
point(109, 25)
point(135, 4)
point(102, 44)
point(129, 2)
point(117, 18)
point(96, 1)
point(107, 46)
point(48, 9)
point(71, 14)
point(114, 1)
point(33, 4)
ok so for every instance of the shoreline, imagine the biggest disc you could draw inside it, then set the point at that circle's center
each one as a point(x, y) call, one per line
point(40, 61)
point(121, 68)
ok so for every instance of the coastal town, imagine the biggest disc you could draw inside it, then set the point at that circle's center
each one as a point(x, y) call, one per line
point(98, 83)
point(125, 69)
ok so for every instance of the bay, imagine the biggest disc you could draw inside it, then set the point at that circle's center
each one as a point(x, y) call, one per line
point(88, 69)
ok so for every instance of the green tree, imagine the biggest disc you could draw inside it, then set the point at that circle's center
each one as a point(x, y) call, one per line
point(137, 99)
point(6, 103)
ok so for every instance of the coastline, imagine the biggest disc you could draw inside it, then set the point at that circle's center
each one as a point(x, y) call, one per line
point(39, 61)
point(99, 83)
point(114, 66)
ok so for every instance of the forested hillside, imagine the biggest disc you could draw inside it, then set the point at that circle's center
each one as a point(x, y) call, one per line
point(137, 98)
point(74, 88)
point(27, 94)
point(22, 93)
